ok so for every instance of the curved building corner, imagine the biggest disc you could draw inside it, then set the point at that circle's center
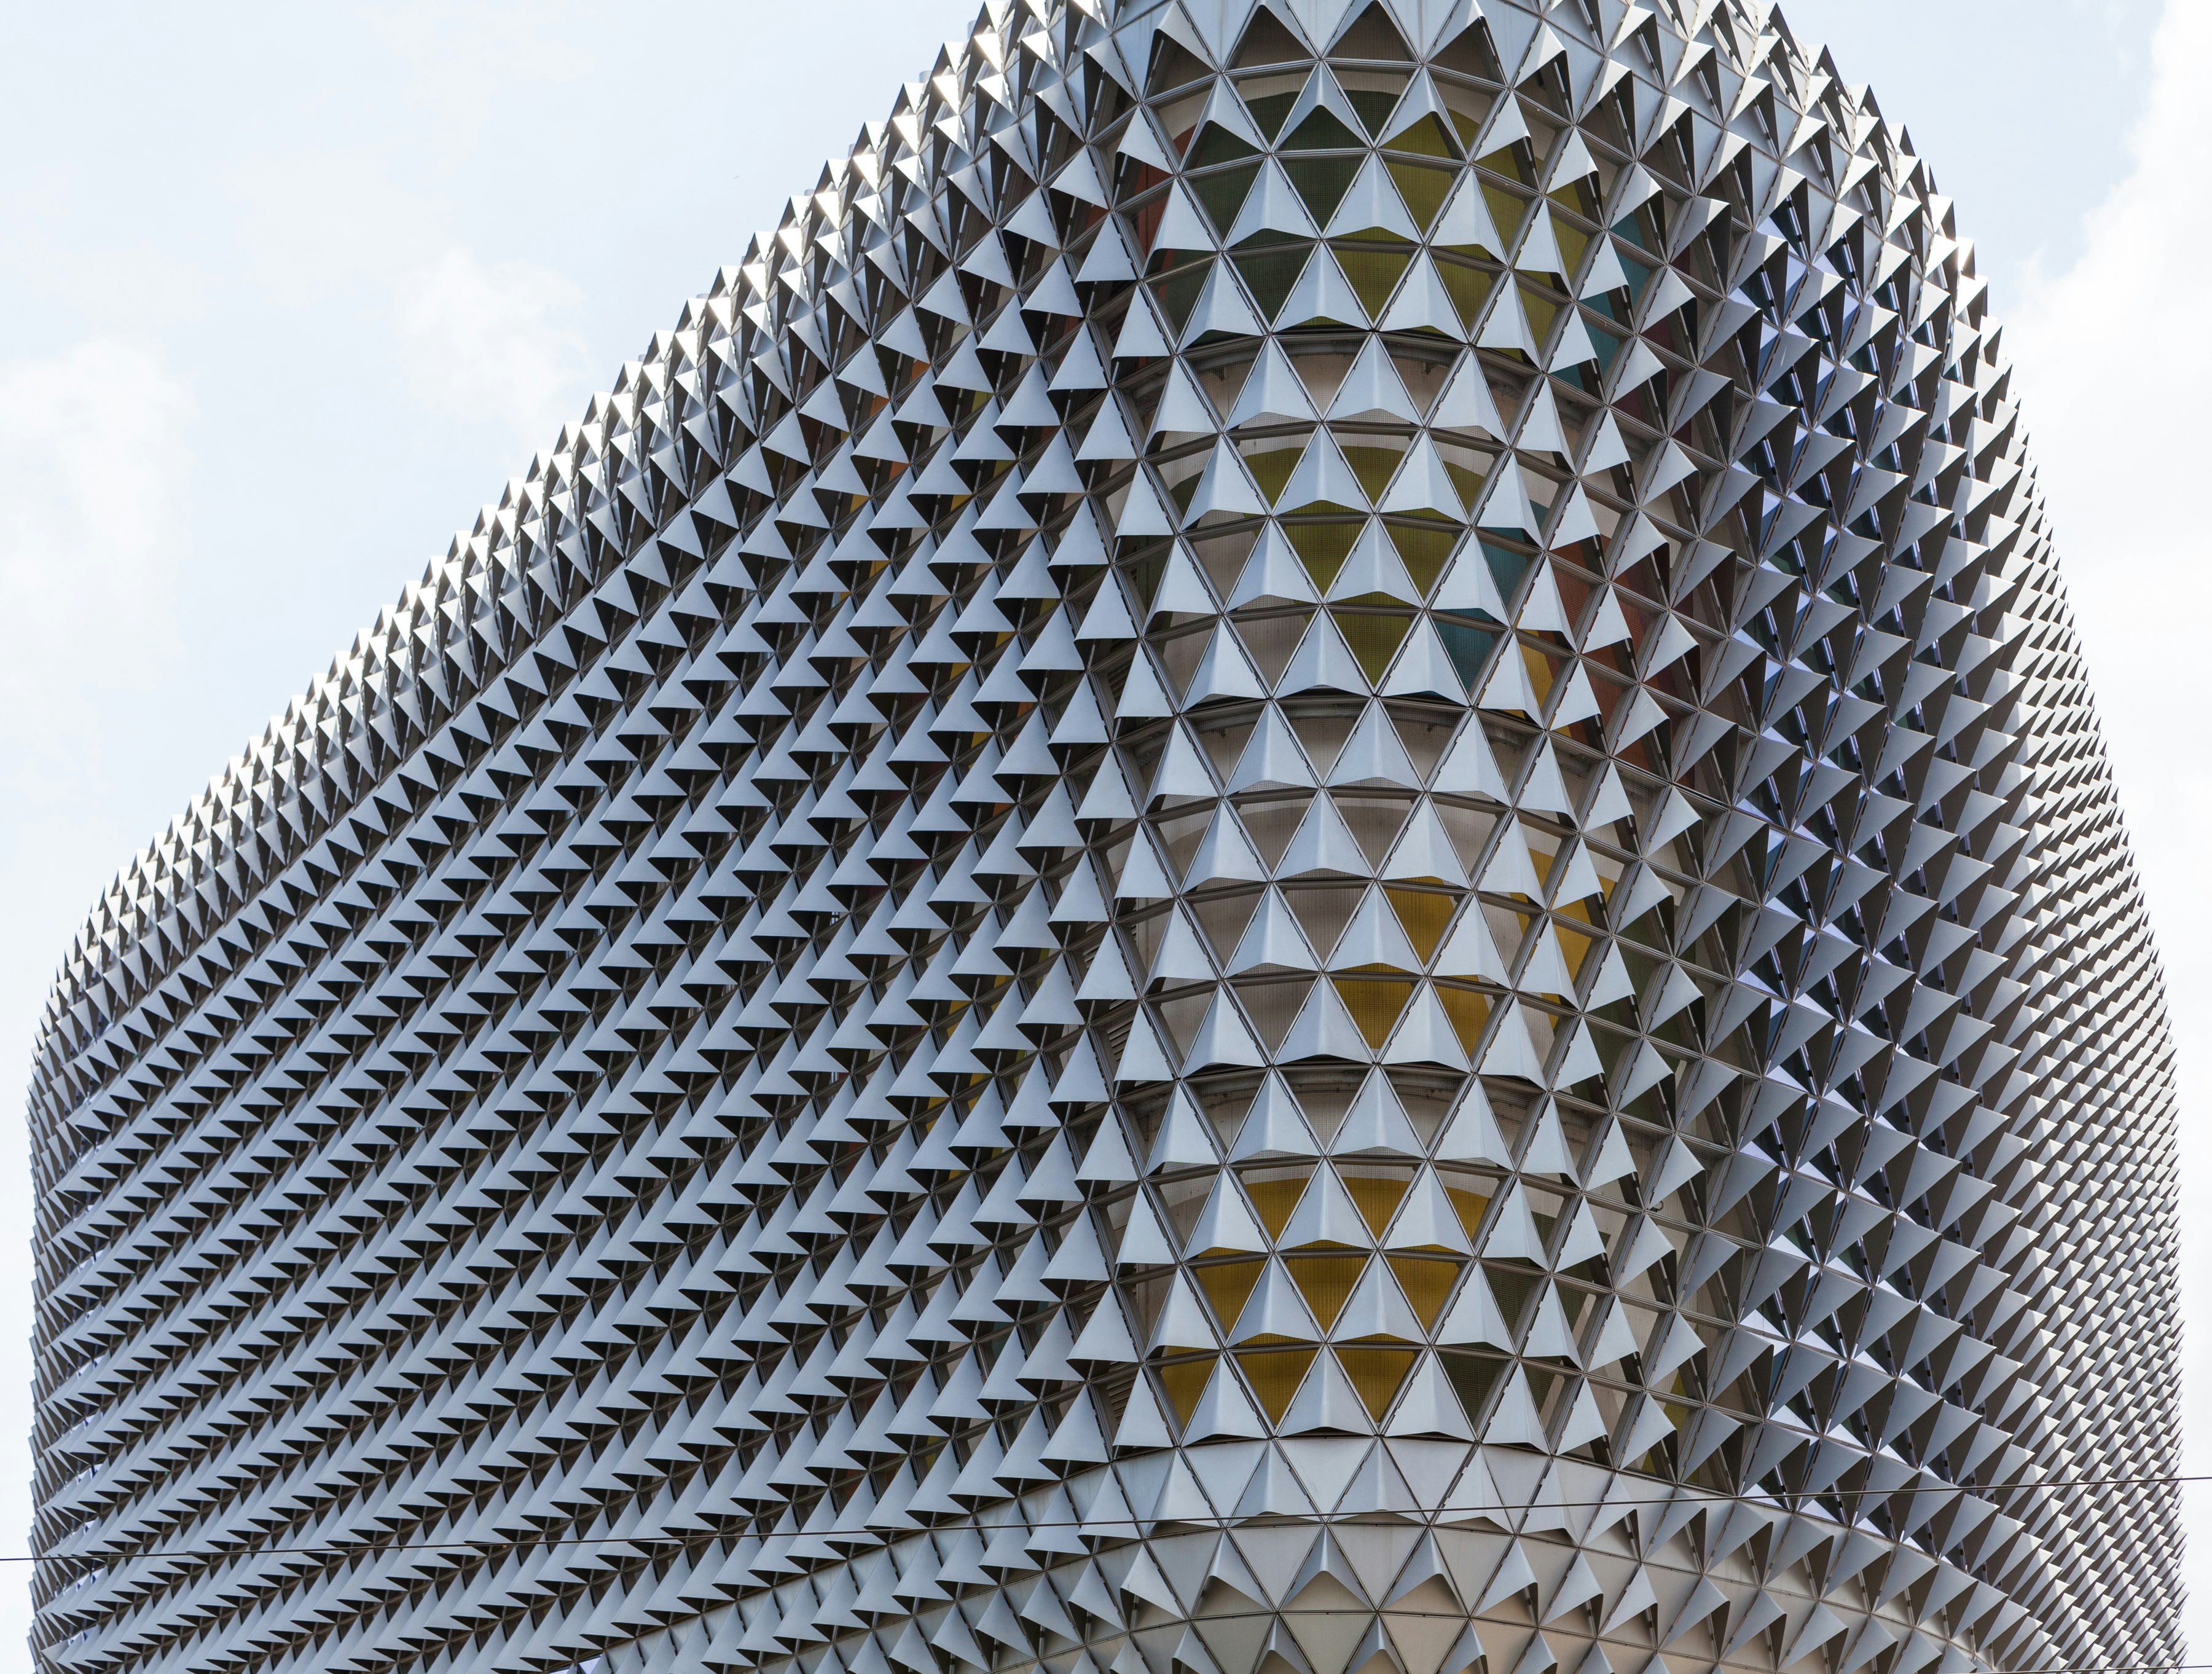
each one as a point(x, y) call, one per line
point(1290, 862)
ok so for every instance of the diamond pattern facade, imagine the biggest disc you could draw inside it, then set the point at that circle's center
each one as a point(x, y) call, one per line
point(1290, 862)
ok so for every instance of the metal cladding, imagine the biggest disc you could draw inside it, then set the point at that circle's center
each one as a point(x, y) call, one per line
point(1290, 862)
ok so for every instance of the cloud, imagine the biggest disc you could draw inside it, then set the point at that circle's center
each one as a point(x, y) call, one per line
point(2113, 359)
point(449, 54)
point(495, 344)
point(336, 237)
point(95, 462)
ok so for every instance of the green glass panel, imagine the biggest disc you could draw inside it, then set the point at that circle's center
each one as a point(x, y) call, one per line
point(1575, 195)
point(1216, 144)
point(1473, 1379)
point(1321, 131)
point(1270, 274)
point(1374, 105)
point(1223, 193)
point(1514, 1288)
point(1269, 109)
point(1320, 182)
point(1177, 292)
point(1572, 242)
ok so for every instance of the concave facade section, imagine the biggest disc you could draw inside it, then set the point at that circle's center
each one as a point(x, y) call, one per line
point(1290, 862)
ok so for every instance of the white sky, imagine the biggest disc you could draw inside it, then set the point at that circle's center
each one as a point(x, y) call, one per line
point(287, 293)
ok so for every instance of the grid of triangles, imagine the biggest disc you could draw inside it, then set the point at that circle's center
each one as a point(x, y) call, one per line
point(1291, 863)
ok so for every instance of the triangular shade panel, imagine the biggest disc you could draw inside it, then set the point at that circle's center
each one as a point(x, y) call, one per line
point(1289, 861)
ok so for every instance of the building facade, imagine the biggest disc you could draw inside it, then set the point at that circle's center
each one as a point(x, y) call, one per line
point(1290, 862)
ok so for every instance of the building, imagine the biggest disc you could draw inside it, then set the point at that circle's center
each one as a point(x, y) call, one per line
point(1290, 862)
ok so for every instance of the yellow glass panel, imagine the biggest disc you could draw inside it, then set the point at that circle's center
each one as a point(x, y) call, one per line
point(1572, 242)
point(1377, 1373)
point(1275, 1375)
point(1468, 288)
point(1427, 1280)
point(1425, 914)
point(1423, 188)
point(1427, 1283)
point(1374, 467)
point(1375, 1005)
point(1469, 1205)
point(1678, 1412)
point(1228, 1285)
point(1373, 274)
point(1424, 549)
point(1575, 945)
point(1575, 195)
point(1540, 313)
point(1466, 1011)
point(1322, 547)
point(1275, 1199)
point(1272, 469)
point(1539, 672)
point(1506, 210)
point(1184, 1382)
point(1373, 639)
point(1427, 137)
point(1325, 1281)
point(1377, 1198)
